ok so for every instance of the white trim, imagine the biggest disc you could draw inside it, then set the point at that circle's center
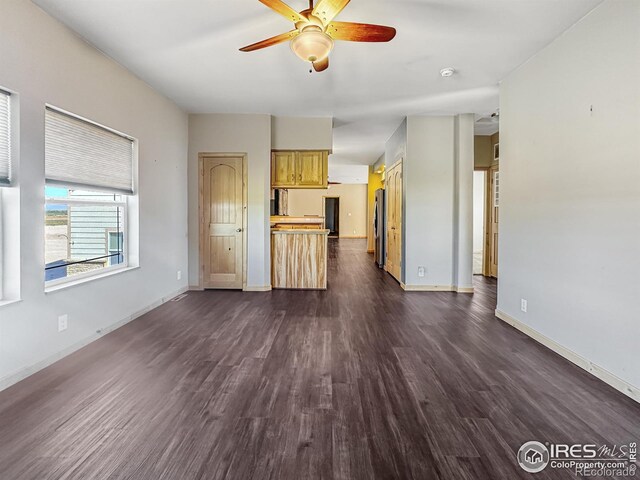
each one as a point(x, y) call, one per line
point(435, 288)
point(4, 303)
point(428, 288)
point(86, 201)
point(464, 289)
point(23, 373)
point(257, 288)
point(82, 279)
point(597, 371)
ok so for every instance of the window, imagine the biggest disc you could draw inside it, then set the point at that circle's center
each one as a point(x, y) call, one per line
point(5, 138)
point(5, 170)
point(89, 175)
point(84, 232)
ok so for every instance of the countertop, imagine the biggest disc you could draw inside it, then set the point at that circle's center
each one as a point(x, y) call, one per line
point(288, 219)
point(300, 231)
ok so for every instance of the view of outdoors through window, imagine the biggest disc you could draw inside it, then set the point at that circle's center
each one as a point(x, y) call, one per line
point(84, 232)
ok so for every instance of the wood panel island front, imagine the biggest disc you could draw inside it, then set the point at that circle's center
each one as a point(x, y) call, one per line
point(299, 258)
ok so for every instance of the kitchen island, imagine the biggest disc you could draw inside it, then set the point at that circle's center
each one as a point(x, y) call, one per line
point(299, 258)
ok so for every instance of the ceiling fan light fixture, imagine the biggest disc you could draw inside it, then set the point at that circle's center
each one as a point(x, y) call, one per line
point(312, 44)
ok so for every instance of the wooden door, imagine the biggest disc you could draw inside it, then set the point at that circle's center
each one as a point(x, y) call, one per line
point(310, 169)
point(222, 217)
point(393, 263)
point(283, 169)
point(494, 206)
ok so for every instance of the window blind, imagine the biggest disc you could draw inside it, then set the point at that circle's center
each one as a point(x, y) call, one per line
point(5, 138)
point(80, 153)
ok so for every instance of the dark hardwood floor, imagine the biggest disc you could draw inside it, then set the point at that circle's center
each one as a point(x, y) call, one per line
point(362, 381)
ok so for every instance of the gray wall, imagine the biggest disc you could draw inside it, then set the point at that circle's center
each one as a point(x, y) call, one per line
point(44, 62)
point(255, 136)
point(227, 133)
point(437, 155)
point(429, 200)
point(570, 190)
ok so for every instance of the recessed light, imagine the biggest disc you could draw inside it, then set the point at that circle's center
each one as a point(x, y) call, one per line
point(447, 72)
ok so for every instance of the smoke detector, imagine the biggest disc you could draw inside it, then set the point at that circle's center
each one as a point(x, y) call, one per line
point(447, 72)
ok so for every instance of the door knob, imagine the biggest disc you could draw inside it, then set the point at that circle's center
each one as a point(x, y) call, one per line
point(238, 230)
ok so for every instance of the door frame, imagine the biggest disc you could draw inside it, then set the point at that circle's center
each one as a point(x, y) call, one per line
point(398, 162)
point(201, 230)
point(495, 167)
point(324, 211)
point(485, 221)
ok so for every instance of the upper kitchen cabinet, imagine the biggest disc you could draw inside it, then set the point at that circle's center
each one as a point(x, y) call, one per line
point(312, 169)
point(283, 169)
point(299, 169)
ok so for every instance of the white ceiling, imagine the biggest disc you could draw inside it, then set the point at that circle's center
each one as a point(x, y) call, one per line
point(188, 50)
point(349, 173)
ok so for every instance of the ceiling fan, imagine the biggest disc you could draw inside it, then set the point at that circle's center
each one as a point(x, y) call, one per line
point(312, 39)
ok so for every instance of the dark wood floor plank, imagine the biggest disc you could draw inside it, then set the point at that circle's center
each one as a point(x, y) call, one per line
point(362, 381)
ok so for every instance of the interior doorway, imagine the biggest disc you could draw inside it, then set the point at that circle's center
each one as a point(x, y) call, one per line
point(332, 215)
point(479, 220)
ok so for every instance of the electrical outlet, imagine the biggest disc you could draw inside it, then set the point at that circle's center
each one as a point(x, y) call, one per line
point(63, 322)
point(421, 271)
point(179, 275)
point(523, 305)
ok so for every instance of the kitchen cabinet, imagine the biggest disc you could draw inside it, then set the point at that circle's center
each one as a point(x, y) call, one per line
point(283, 169)
point(299, 169)
point(299, 259)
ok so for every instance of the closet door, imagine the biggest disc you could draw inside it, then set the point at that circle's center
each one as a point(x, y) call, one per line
point(394, 220)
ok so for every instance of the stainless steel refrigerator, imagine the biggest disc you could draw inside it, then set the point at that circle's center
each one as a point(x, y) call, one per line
point(379, 228)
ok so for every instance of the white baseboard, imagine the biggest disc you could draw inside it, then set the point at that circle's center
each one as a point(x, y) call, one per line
point(23, 373)
point(464, 289)
point(597, 371)
point(435, 288)
point(257, 288)
point(249, 288)
point(427, 288)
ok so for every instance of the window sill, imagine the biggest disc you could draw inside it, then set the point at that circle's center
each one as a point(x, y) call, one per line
point(4, 303)
point(81, 281)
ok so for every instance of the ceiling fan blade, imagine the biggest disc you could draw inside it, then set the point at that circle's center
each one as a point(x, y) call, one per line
point(270, 41)
point(322, 65)
point(360, 32)
point(284, 10)
point(326, 10)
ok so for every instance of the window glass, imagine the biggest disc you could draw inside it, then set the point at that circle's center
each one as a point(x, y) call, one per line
point(85, 232)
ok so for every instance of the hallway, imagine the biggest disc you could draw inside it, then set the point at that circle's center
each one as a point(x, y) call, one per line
point(360, 381)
